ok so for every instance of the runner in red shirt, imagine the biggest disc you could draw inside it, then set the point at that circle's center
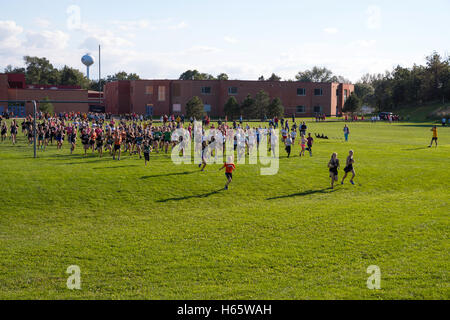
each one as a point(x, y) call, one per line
point(229, 168)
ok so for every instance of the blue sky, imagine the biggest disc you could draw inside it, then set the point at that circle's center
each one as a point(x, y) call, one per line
point(246, 39)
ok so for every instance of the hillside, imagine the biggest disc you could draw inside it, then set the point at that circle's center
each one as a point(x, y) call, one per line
point(434, 111)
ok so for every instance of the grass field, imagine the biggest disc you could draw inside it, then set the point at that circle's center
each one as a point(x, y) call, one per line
point(171, 232)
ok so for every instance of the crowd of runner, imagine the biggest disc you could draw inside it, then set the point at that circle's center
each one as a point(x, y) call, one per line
point(131, 134)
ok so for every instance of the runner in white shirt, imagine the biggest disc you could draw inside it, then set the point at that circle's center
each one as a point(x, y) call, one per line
point(273, 141)
point(288, 144)
point(284, 134)
point(293, 136)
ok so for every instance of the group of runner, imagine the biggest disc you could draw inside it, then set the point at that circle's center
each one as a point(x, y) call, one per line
point(141, 138)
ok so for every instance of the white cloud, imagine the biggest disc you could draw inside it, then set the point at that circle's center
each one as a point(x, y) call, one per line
point(230, 39)
point(108, 40)
point(9, 34)
point(132, 25)
point(42, 23)
point(365, 43)
point(179, 26)
point(331, 30)
point(201, 49)
point(373, 17)
point(56, 40)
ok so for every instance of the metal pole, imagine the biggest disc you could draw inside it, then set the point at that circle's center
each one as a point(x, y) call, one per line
point(34, 126)
point(99, 74)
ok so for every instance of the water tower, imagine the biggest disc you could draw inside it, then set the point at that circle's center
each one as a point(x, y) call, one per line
point(88, 61)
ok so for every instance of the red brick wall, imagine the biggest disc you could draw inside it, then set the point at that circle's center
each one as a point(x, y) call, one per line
point(132, 96)
point(62, 95)
point(139, 98)
point(4, 91)
point(190, 88)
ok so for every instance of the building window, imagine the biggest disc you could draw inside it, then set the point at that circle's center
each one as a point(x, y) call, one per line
point(149, 90)
point(233, 90)
point(301, 92)
point(177, 108)
point(161, 93)
point(337, 92)
point(206, 90)
point(207, 108)
point(345, 95)
point(301, 109)
point(318, 92)
point(317, 109)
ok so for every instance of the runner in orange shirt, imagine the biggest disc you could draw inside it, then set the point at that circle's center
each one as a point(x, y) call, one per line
point(229, 168)
point(435, 137)
point(117, 144)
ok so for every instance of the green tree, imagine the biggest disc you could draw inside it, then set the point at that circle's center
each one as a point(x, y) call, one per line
point(196, 75)
point(232, 108)
point(275, 108)
point(248, 108)
point(122, 76)
point(262, 101)
point(365, 92)
point(352, 105)
point(319, 74)
point(222, 76)
point(73, 77)
point(274, 77)
point(261, 78)
point(40, 71)
point(95, 85)
point(10, 69)
point(195, 108)
point(46, 107)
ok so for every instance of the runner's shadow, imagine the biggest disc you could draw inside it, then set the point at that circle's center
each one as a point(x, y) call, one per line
point(168, 174)
point(305, 193)
point(206, 195)
point(421, 148)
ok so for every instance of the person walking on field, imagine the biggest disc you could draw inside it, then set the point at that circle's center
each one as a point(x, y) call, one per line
point(349, 168)
point(310, 142)
point(333, 166)
point(346, 132)
point(435, 137)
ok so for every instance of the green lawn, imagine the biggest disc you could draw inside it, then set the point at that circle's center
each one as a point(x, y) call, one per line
point(171, 232)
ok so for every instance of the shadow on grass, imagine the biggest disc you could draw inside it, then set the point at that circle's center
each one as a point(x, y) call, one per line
point(415, 149)
point(115, 167)
point(103, 160)
point(200, 196)
point(168, 175)
point(305, 193)
point(421, 125)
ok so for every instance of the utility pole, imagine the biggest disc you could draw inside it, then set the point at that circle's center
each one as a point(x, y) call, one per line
point(34, 126)
point(100, 74)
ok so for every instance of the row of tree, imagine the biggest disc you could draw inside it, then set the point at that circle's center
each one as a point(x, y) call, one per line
point(316, 74)
point(251, 108)
point(41, 71)
point(407, 86)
